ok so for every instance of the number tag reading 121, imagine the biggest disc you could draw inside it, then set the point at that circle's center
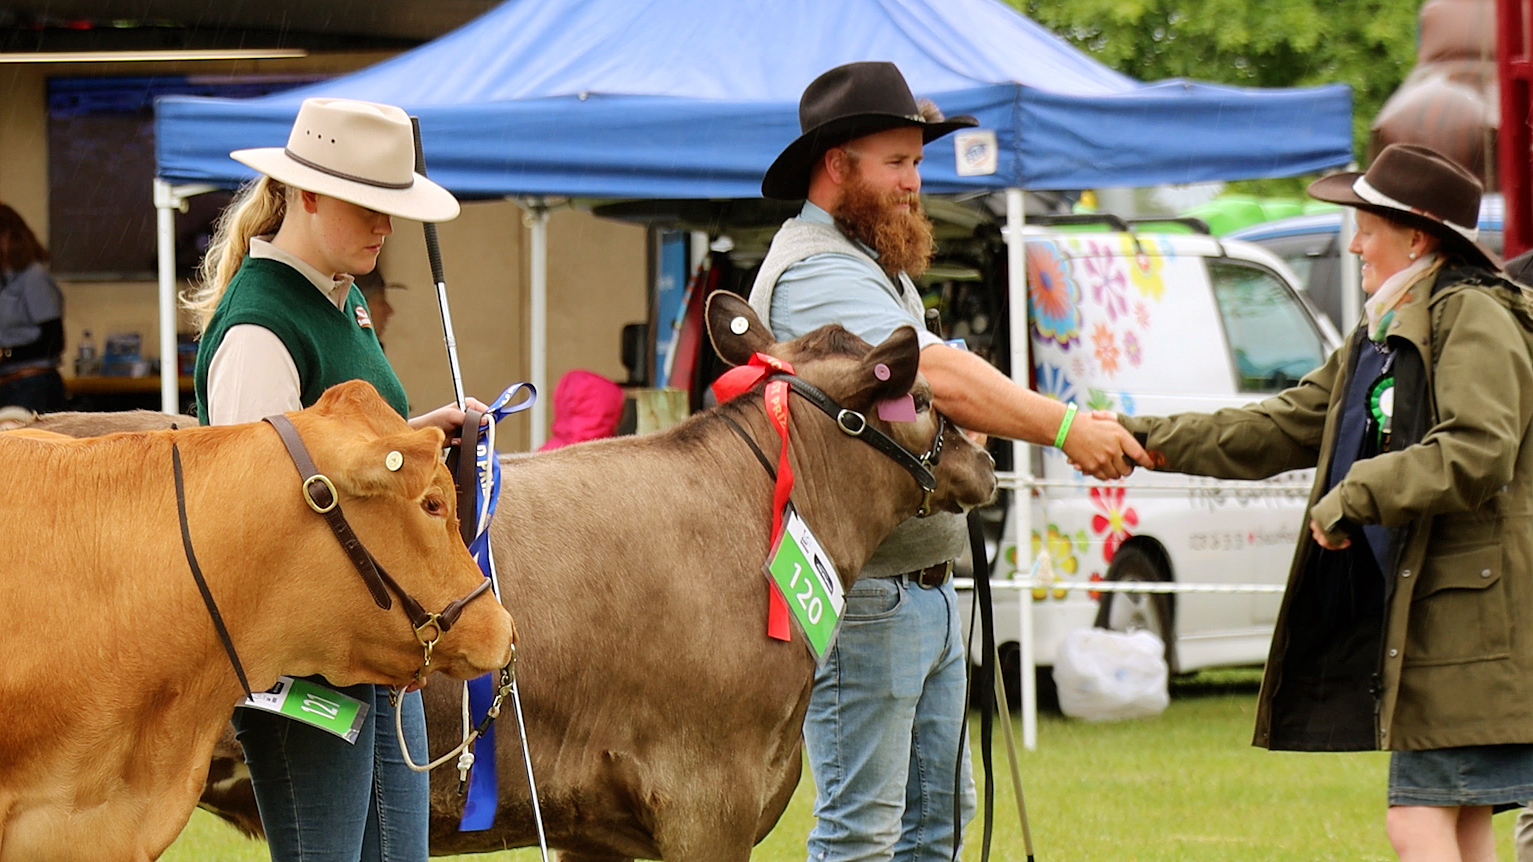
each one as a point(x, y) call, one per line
point(312, 703)
point(808, 580)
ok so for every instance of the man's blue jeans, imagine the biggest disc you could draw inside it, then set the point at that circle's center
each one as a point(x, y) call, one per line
point(883, 727)
point(323, 800)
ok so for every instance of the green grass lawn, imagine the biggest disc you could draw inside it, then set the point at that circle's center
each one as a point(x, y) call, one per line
point(1183, 787)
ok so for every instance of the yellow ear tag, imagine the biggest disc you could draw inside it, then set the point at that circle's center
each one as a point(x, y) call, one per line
point(394, 461)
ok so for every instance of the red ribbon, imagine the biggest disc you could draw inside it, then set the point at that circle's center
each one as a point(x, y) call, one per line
point(732, 383)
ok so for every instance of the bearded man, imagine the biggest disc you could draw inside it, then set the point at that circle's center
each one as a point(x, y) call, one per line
point(884, 720)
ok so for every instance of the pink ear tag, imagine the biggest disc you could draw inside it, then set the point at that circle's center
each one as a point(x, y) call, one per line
point(901, 409)
point(881, 371)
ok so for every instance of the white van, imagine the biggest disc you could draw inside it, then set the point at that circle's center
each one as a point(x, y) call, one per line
point(1158, 324)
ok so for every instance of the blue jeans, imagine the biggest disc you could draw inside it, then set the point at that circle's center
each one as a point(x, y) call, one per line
point(883, 726)
point(324, 800)
point(40, 393)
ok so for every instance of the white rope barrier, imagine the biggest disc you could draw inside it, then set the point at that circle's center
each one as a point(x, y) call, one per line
point(1036, 581)
point(1221, 487)
point(1121, 586)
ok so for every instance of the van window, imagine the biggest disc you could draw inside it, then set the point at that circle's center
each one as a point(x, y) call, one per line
point(1272, 341)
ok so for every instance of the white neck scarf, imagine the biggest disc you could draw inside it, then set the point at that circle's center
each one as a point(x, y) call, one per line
point(1380, 307)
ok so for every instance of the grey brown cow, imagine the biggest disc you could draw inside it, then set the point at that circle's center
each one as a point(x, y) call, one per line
point(663, 723)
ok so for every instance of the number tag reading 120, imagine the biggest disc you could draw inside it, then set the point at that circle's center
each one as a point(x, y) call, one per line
point(808, 580)
point(312, 703)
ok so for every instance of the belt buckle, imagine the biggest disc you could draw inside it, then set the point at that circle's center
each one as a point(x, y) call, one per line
point(932, 577)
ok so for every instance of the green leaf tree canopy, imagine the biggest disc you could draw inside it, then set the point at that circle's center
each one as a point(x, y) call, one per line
point(1369, 44)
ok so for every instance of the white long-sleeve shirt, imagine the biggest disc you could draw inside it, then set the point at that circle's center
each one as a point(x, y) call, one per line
point(252, 374)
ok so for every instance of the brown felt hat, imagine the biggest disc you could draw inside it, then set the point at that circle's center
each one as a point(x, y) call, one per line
point(1419, 187)
point(845, 103)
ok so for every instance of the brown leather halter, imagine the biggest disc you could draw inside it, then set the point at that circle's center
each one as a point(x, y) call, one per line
point(319, 492)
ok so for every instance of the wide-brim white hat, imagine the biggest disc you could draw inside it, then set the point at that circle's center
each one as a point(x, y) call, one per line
point(361, 152)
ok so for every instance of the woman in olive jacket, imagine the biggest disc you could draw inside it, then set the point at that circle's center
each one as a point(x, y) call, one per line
point(1407, 623)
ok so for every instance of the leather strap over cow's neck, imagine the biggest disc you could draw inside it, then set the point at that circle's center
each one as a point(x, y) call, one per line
point(760, 455)
point(202, 584)
point(319, 492)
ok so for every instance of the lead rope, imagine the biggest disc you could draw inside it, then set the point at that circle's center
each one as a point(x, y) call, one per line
point(507, 686)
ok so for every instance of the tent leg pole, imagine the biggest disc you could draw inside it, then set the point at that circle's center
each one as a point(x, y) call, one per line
point(165, 203)
point(538, 259)
point(1351, 299)
point(1022, 458)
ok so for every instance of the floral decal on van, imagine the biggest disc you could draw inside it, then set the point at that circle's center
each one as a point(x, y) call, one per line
point(1105, 344)
point(1062, 561)
point(1113, 520)
point(1052, 382)
point(1108, 287)
point(1143, 268)
point(1053, 295)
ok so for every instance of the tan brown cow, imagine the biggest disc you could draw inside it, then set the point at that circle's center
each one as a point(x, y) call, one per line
point(663, 723)
point(115, 685)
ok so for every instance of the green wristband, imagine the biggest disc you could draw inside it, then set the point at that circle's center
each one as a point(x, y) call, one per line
point(1064, 425)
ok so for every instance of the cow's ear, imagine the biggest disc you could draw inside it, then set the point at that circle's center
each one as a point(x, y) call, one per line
point(358, 398)
point(889, 370)
point(400, 464)
point(736, 332)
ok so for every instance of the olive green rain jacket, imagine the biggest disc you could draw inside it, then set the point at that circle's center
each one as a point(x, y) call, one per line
point(1444, 657)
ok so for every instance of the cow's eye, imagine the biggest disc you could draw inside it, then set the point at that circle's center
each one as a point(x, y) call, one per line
point(922, 401)
point(434, 506)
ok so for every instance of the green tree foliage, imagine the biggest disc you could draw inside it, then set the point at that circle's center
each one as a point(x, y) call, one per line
point(1369, 44)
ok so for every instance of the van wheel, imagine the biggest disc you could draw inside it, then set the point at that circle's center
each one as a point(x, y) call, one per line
point(1127, 612)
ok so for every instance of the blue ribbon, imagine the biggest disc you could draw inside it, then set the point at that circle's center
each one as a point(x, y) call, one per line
point(484, 784)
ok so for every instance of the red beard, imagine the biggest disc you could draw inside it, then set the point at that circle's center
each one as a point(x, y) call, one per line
point(902, 237)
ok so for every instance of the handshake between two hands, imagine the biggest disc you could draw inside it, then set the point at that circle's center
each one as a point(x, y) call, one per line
point(1103, 449)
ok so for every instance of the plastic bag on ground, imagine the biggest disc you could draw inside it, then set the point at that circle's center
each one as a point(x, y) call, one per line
point(1105, 675)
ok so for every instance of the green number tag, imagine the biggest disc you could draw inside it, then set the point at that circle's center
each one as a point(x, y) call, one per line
point(808, 580)
point(314, 704)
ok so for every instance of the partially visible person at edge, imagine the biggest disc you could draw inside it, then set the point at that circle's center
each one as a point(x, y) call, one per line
point(884, 719)
point(1407, 623)
point(31, 320)
point(1520, 269)
point(281, 322)
point(587, 406)
point(375, 295)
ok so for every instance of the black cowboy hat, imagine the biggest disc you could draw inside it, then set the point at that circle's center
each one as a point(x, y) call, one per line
point(845, 103)
point(1419, 187)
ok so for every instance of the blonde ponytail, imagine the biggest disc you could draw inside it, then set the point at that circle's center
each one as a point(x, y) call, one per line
point(257, 210)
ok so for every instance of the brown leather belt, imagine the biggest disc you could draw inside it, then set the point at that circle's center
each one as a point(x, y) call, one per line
point(933, 576)
point(23, 373)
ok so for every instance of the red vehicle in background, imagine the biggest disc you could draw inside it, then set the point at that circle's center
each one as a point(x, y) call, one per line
point(1514, 18)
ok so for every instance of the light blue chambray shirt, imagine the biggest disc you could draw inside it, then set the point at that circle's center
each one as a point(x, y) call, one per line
point(838, 288)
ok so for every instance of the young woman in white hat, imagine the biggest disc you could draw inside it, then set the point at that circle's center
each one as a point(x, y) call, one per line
point(281, 321)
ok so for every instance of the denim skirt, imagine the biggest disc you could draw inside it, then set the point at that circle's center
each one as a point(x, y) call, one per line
point(1472, 775)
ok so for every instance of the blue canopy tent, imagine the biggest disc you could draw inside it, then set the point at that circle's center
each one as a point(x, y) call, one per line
point(694, 98)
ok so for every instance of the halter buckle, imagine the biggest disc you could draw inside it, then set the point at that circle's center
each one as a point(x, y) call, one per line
point(847, 418)
point(308, 493)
